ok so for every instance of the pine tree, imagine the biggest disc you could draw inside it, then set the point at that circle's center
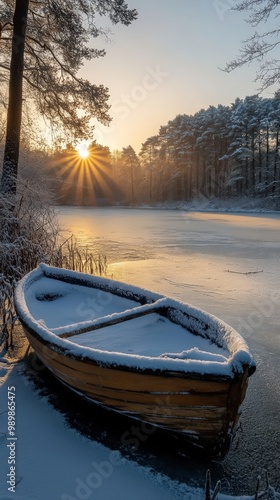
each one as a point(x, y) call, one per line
point(131, 162)
point(262, 46)
point(149, 155)
point(42, 47)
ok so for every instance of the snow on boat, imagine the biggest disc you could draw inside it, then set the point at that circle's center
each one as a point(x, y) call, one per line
point(139, 353)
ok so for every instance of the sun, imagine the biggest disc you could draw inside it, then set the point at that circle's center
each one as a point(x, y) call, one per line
point(82, 150)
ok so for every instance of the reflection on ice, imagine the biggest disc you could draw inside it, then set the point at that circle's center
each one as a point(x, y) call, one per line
point(187, 256)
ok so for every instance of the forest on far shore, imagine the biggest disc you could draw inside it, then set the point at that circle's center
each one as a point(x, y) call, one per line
point(221, 152)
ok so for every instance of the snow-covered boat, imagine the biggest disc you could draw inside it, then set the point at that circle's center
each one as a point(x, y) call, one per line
point(139, 353)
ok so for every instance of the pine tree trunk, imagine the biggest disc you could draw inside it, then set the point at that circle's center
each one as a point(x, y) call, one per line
point(8, 183)
point(197, 176)
point(246, 174)
point(267, 172)
point(276, 160)
point(253, 164)
point(132, 183)
point(260, 158)
point(217, 188)
point(190, 191)
point(151, 185)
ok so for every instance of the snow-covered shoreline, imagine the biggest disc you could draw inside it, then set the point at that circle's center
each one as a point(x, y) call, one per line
point(47, 470)
point(231, 205)
point(242, 205)
point(54, 461)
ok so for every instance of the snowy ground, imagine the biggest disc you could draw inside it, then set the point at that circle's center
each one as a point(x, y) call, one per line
point(52, 461)
point(237, 205)
point(202, 259)
point(55, 462)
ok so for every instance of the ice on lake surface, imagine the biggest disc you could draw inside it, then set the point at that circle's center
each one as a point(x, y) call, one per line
point(227, 264)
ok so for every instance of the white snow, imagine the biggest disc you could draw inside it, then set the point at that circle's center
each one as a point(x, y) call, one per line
point(120, 344)
point(53, 460)
point(72, 303)
point(148, 335)
point(196, 353)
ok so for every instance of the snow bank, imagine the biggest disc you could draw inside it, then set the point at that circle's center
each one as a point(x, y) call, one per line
point(54, 462)
point(241, 204)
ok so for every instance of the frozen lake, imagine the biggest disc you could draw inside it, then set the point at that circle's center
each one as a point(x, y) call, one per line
point(227, 264)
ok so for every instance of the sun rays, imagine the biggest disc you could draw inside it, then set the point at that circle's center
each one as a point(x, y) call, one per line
point(84, 174)
point(83, 150)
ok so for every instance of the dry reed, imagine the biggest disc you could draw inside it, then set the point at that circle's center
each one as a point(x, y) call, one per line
point(29, 234)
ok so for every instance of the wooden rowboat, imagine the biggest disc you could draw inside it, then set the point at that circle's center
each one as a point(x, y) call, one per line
point(139, 353)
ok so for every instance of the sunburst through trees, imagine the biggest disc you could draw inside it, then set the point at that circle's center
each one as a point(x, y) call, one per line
point(83, 150)
point(83, 175)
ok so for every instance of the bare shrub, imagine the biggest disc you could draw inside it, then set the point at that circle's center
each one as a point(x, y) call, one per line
point(268, 493)
point(7, 315)
point(29, 234)
point(28, 231)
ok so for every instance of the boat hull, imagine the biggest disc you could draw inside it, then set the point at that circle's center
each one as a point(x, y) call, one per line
point(143, 355)
point(203, 412)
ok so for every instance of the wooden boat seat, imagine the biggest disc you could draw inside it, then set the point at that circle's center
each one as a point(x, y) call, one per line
point(112, 319)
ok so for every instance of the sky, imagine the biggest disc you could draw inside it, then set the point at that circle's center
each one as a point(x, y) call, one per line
point(168, 63)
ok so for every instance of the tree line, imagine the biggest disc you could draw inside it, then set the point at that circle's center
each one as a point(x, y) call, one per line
point(223, 151)
point(42, 47)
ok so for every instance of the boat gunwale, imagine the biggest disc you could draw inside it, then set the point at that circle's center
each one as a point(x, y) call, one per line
point(150, 298)
point(190, 375)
